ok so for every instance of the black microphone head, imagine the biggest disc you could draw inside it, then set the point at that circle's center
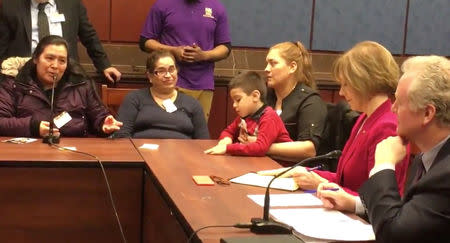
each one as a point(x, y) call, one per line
point(335, 154)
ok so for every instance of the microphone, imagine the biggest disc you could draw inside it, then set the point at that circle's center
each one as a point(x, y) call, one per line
point(51, 138)
point(265, 225)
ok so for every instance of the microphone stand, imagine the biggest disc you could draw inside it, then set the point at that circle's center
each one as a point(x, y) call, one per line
point(51, 138)
point(267, 226)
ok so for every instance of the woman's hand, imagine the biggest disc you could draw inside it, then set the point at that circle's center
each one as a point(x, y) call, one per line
point(334, 197)
point(44, 129)
point(110, 125)
point(308, 179)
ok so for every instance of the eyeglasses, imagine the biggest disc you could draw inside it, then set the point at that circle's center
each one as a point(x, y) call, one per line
point(220, 180)
point(163, 72)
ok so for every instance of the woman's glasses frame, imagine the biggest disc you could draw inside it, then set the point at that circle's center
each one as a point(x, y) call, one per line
point(163, 72)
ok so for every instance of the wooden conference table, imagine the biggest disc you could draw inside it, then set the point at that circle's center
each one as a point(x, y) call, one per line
point(171, 168)
point(50, 195)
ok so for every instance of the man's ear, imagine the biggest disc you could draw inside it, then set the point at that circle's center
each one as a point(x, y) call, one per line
point(430, 113)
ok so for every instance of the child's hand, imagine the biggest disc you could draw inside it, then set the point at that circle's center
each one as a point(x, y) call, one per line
point(245, 138)
point(218, 149)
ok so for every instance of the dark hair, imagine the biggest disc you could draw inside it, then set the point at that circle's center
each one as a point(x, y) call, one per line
point(74, 70)
point(50, 40)
point(154, 57)
point(249, 81)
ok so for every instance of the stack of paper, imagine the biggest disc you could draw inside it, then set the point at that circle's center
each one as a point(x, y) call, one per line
point(288, 200)
point(324, 224)
point(254, 179)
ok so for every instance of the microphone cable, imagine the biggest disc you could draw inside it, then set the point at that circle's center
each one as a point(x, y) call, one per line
point(106, 181)
point(240, 226)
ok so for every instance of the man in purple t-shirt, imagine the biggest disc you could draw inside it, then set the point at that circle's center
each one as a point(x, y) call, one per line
point(196, 32)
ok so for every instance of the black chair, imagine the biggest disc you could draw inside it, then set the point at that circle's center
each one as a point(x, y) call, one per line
point(339, 123)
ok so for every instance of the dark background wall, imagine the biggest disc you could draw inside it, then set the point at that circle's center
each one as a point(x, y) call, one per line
point(406, 27)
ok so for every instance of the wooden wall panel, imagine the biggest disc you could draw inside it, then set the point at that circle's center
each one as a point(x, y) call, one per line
point(127, 19)
point(218, 115)
point(326, 95)
point(99, 13)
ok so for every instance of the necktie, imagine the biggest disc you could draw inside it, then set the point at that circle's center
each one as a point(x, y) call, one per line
point(420, 170)
point(43, 28)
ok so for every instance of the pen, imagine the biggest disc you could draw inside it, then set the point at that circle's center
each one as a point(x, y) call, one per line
point(314, 168)
point(314, 191)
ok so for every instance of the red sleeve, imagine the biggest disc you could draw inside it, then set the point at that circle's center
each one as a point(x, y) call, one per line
point(232, 130)
point(268, 132)
point(379, 133)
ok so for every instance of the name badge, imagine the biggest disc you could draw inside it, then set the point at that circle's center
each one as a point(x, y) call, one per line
point(61, 119)
point(57, 18)
point(169, 105)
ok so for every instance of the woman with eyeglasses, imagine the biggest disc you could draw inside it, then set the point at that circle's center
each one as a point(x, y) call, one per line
point(161, 111)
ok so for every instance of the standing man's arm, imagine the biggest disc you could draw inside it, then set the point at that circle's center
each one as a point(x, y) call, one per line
point(89, 38)
point(187, 53)
point(149, 45)
point(4, 36)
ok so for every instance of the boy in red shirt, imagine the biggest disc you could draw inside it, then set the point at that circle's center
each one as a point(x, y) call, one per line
point(255, 119)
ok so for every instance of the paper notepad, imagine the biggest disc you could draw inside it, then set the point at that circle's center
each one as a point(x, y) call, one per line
point(254, 179)
point(326, 224)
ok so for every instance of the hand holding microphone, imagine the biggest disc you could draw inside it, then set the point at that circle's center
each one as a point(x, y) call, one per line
point(44, 129)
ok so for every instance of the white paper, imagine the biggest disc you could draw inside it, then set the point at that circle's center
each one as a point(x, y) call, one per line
point(20, 140)
point(150, 146)
point(62, 119)
point(57, 18)
point(262, 181)
point(71, 148)
point(169, 105)
point(324, 224)
point(288, 200)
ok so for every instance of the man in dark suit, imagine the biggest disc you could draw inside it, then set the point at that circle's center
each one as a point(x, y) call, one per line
point(422, 106)
point(66, 18)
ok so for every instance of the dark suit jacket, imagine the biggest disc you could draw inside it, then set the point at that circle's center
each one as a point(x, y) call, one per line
point(423, 215)
point(15, 30)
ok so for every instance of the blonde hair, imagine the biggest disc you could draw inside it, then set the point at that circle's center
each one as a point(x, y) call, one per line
point(296, 52)
point(431, 84)
point(369, 68)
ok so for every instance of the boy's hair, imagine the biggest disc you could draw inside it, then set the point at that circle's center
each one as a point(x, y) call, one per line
point(249, 81)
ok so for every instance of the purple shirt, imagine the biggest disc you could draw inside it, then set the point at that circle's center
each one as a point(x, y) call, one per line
point(177, 23)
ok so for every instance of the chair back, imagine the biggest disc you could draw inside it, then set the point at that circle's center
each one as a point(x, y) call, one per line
point(339, 123)
point(113, 97)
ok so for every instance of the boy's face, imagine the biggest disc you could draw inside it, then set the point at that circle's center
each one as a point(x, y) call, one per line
point(244, 104)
